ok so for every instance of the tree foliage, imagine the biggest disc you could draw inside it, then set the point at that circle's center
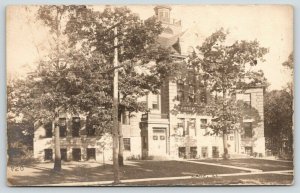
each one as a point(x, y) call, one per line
point(144, 64)
point(227, 68)
point(278, 113)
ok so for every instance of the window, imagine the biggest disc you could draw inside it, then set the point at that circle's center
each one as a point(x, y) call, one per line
point(75, 126)
point(203, 97)
point(191, 94)
point(204, 152)
point(246, 98)
point(91, 130)
point(91, 154)
point(180, 127)
point(180, 90)
point(126, 144)
point(155, 102)
point(203, 123)
point(247, 130)
point(62, 127)
point(48, 129)
point(48, 154)
point(63, 153)
point(155, 137)
point(76, 154)
point(181, 152)
point(193, 152)
point(192, 127)
point(126, 118)
point(215, 152)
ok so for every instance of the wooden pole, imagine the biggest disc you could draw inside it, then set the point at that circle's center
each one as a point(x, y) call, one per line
point(115, 112)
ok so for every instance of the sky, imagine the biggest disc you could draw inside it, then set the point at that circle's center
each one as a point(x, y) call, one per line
point(272, 26)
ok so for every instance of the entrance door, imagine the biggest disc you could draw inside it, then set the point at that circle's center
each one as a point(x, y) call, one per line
point(159, 141)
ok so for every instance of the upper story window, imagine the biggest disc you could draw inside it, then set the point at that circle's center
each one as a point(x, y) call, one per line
point(48, 130)
point(248, 131)
point(155, 102)
point(62, 127)
point(75, 126)
point(91, 130)
point(246, 98)
point(126, 118)
point(180, 90)
point(181, 127)
point(192, 127)
point(191, 97)
point(191, 90)
point(203, 123)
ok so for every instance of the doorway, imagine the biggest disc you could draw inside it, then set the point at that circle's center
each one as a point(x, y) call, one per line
point(159, 141)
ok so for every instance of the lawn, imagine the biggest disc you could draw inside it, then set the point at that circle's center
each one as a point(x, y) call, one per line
point(41, 173)
point(262, 179)
point(89, 172)
point(265, 165)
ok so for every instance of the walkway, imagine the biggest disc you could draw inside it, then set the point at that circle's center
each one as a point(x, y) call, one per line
point(225, 166)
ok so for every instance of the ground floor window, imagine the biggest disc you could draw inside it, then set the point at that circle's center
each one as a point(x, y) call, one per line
point(63, 153)
point(91, 153)
point(126, 144)
point(204, 152)
point(76, 154)
point(248, 150)
point(193, 152)
point(215, 152)
point(48, 154)
point(182, 152)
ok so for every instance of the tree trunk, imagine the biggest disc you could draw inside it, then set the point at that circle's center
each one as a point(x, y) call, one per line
point(121, 145)
point(225, 146)
point(57, 158)
point(225, 154)
point(115, 114)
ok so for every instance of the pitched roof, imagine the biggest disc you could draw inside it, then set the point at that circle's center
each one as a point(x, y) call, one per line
point(171, 42)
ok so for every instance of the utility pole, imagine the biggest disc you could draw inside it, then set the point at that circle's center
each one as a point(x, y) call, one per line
point(115, 130)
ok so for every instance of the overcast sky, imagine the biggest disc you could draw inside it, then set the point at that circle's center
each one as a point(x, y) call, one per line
point(272, 26)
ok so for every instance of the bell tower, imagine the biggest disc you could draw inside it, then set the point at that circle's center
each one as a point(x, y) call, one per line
point(162, 12)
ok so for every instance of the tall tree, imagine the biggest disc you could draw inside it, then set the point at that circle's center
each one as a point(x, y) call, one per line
point(143, 64)
point(226, 68)
point(278, 113)
point(49, 88)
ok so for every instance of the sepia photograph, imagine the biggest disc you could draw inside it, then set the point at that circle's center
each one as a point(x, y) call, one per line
point(149, 95)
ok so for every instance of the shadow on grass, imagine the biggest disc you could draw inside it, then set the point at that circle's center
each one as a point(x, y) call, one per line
point(39, 174)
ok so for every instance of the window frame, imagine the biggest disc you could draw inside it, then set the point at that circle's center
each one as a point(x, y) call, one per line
point(127, 144)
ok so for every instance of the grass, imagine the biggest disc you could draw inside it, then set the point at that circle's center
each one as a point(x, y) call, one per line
point(262, 179)
point(265, 165)
point(39, 174)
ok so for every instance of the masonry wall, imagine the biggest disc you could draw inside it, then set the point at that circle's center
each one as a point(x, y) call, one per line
point(101, 143)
